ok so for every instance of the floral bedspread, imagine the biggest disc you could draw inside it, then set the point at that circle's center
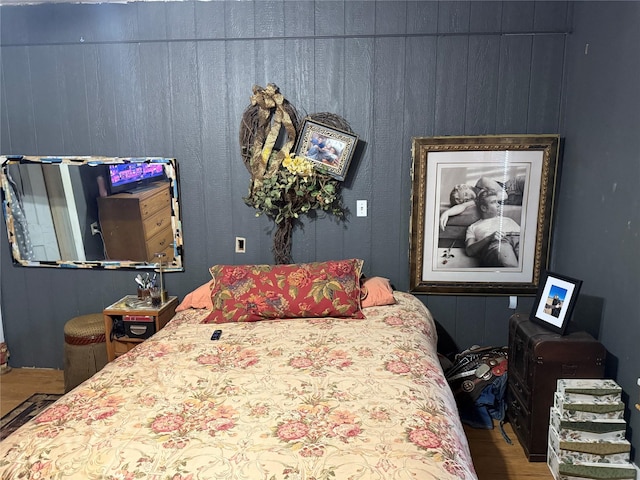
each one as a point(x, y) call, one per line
point(320, 398)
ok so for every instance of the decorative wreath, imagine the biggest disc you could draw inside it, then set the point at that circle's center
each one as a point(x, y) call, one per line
point(283, 185)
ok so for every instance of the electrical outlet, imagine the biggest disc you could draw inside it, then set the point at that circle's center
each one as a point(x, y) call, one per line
point(95, 228)
point(241, 244)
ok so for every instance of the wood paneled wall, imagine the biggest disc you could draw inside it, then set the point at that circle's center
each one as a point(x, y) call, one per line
point(172, 79)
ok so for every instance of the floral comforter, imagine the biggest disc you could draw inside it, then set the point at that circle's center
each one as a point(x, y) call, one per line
point(285, 399)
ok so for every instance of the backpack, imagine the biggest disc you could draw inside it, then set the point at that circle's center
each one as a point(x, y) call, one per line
point(478, 380)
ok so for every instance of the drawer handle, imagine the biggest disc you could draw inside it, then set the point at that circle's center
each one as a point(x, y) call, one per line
point(162, 243)
point(159, 224)
point(516, 407)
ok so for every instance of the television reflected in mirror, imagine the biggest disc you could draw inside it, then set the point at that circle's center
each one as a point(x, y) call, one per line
point(92, 212)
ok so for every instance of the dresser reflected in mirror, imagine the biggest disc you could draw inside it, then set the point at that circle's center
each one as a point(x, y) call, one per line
point(92, 212)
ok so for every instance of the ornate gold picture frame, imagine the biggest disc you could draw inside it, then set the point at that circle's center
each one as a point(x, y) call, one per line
point(328, 148)
point(481, 213)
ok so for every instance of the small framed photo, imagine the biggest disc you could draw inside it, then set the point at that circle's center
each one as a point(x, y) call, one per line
point(555, 300)
point(329, 149)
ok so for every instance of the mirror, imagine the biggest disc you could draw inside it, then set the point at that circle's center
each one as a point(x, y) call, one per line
point(92, 212)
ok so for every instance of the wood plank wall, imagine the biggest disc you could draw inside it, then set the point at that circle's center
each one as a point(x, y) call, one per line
point(172, 79)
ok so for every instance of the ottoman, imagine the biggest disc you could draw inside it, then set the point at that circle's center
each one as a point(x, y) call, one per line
point(85, 350)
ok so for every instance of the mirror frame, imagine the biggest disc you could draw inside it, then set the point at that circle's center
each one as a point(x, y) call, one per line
point(171, 172)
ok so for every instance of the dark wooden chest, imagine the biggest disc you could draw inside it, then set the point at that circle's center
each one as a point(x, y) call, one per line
point(537, 359)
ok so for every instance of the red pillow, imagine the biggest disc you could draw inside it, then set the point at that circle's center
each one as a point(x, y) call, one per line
point(377, 291)
point(248, 293)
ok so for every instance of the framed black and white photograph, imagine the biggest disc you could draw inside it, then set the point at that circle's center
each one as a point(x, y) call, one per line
point(555, 301)
point(329, 149)
point(481, 213)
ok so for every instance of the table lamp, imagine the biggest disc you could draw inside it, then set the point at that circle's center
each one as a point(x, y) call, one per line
point(163, 294)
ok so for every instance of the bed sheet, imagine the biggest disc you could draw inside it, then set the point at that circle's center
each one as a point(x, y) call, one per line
point(285, 399)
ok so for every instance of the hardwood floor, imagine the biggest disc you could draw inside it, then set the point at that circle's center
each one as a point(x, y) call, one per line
point(20, 383)
point(494, 459)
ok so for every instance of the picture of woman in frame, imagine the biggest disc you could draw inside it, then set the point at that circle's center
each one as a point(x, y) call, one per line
point(461, 207)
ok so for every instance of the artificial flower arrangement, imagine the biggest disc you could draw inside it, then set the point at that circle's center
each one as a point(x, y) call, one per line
point(296, 188)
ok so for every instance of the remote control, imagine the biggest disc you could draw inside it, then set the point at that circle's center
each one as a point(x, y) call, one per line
point(216, 335)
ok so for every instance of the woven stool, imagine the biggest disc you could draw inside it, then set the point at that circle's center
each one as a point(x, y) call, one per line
point(85, 350)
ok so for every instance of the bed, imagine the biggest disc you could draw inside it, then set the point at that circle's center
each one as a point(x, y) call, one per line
point(355, 395)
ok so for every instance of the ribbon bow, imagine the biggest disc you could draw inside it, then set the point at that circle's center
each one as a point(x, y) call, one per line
point(272, 116)
point(266, 98)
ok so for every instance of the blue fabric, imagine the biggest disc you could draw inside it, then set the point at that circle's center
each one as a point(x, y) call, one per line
point(490, 405)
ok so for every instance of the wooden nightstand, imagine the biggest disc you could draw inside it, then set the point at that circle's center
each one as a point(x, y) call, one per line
point(143, 320)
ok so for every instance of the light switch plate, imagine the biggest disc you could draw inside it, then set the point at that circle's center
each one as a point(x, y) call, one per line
point(361, 208)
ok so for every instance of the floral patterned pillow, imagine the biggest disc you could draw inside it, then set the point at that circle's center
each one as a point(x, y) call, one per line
point(248, 293)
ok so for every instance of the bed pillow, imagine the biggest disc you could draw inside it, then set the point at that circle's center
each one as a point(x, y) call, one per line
point(249, 293)
point(377, 291)
point(199, 298)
